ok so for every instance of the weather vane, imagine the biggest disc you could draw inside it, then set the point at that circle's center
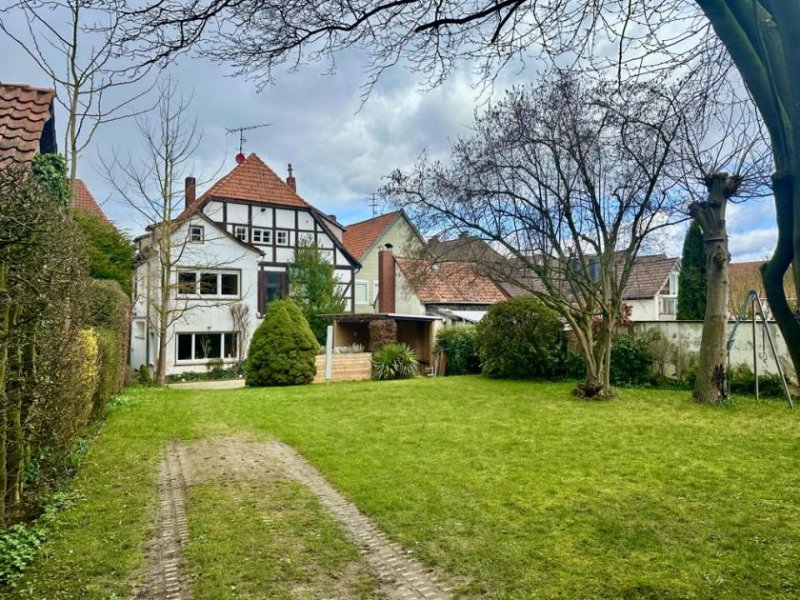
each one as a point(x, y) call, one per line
point(240, 157)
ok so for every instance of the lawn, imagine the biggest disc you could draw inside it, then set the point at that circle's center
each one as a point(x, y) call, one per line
point(506, 489)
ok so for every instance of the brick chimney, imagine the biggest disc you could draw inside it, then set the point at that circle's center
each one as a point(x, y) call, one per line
point(190, 192)
point(290, 180)
point(386, 281)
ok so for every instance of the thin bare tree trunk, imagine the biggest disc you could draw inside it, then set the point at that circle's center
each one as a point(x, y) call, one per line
point(711, 385)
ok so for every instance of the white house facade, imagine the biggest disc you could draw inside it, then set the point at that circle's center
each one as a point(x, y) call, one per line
point(231, 249)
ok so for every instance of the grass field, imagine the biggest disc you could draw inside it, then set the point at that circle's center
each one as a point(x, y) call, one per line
point(506, 489)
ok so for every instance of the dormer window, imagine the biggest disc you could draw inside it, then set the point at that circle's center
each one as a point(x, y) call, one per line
point(196, 233)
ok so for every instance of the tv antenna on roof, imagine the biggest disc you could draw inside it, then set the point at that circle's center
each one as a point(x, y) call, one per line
point(242, 139)
point(374, 204)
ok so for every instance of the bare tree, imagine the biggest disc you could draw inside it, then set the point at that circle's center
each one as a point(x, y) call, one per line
point(240, 316)
point(569, 180)
point(153, 187)
point(72, 43)
point(637, 37)
point(726, 158)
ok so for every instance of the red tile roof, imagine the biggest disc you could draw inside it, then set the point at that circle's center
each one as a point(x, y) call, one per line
point(449, 282)
point(83, 199)
point(358, 238)
point(24, 111)
point(254, 181)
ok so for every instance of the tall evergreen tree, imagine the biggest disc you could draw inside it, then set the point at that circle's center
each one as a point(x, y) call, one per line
point(314, 288)
point(692, 280)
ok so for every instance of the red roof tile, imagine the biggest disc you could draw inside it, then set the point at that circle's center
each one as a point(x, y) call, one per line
point(83, 199)
point(449, 282)
point(254, 181)
point(24, 111)
point(359, 237)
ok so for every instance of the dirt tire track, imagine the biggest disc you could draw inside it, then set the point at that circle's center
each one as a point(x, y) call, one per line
point(406, 578)
point(402, 577)
point(165, 577)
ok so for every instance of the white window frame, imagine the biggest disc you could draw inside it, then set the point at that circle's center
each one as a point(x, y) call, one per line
point(364, 284)
point(240, 229)
point(278, 234)
point(198, 273)
point(263, 233)
point(203, 360)
point(196, 234)
point(673, 283)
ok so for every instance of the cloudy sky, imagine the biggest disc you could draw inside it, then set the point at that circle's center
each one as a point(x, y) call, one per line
point(340, 150)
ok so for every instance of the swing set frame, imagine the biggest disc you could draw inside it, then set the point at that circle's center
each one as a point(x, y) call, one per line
point(755, 301)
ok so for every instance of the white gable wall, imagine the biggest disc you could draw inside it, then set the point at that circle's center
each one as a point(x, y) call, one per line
point(193, 313)
point(221, 253)
point(405, 243)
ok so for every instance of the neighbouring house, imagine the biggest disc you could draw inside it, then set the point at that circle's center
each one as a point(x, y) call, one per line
point(415, 297)
point(652, 290)
point(231, 246)
point(27, 123)
point(452, 290)
point(365, 239)
point(82, 199)
point(27, 128)
point(746, 276)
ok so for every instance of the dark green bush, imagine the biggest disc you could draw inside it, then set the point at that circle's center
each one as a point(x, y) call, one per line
point(394, 361)
point(459, 344)
point(143, 375)
point(109, 252)
point(631, 361)
point(283, 349)
point(743, 381)
point(574, 366)
point(521, 339)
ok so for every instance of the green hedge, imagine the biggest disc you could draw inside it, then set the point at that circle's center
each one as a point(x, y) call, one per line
point(109, 314)
point(459, 344)
point(521, 339)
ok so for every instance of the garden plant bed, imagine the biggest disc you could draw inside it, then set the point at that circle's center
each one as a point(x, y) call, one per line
point(502, 489)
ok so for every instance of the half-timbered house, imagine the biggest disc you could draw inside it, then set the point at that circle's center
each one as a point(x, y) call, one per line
point(232, 245)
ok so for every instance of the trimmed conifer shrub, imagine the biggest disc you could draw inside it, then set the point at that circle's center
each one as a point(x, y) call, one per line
point(283, 349)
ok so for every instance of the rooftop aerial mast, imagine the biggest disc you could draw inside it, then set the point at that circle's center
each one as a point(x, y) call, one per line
point(240, 157)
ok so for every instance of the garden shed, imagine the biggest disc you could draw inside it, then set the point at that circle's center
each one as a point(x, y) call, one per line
point(373, 330)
